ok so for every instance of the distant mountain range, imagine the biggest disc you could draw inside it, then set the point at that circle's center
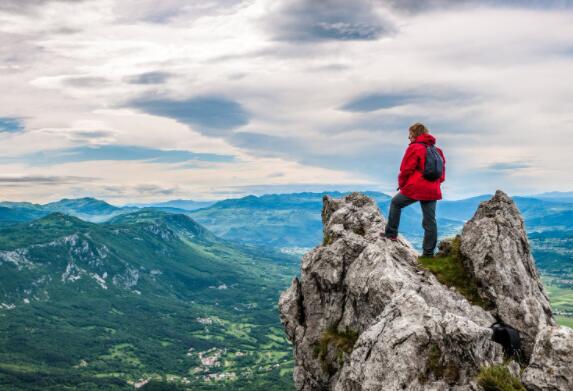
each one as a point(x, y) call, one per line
point(88, 209)
point(178, 204)
point(293, 220)
point(564, 196)
point(289, 221)
point(93, 296)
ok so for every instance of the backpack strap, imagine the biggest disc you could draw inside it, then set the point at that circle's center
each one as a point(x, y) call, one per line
point(421, 169)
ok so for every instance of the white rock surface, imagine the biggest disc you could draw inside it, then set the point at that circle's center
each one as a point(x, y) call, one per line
point(362, 282)
point(413, 332)
point(496, 251)
point(551, 366)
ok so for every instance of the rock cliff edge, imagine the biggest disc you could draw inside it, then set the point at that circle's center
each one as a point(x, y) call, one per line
point(365, 314)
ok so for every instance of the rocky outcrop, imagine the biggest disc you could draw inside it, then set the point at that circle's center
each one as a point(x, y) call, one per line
point(551, 366)
point(496, 251)
point(364, 314)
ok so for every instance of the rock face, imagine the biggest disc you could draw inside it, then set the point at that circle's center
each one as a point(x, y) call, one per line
point(551, 366)
point(496, 252)
point(365, 315)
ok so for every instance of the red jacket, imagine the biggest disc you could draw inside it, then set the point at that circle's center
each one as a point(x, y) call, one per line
point(410, 180)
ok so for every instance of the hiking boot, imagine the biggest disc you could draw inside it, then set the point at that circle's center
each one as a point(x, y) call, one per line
point(427, 256)
point(392, 238)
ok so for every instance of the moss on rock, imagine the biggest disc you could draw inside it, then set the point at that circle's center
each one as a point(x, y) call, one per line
point(339, 342)
point(449, 269)
point(498, 378)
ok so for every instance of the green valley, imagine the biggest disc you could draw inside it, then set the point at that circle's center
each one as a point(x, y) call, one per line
point(149, 295)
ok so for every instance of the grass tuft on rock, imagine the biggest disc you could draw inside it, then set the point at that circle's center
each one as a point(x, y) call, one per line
point(498, 378)
point(449, 270)
point(340, 341)
point(440, 369)
point(326, 240)
point(433, 363)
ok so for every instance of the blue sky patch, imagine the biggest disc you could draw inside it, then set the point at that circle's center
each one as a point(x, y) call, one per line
point(157, 77)
point(121, 153)
point(10, 125)
point(375, 102)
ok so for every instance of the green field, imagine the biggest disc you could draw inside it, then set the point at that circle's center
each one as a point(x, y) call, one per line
point(561, 299)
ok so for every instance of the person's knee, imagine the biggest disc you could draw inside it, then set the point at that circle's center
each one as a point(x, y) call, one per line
point(398, 202)
point(428, 218)
point(429, 221)
point(429, 224)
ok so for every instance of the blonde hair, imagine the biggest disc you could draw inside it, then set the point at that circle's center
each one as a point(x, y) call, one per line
point(418, 129)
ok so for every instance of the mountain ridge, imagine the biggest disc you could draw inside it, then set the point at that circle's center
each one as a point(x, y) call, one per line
point(125, 301)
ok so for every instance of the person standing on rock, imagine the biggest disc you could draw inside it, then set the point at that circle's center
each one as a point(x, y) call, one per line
point(416, 182)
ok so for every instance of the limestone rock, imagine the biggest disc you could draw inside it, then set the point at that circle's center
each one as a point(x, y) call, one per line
point(364, 314)
point(496, 251)
point(551, 366)
point(413, 331)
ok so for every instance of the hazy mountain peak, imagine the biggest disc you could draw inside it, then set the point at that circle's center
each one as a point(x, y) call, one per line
point(59, 218)
point(177, 223)
point(85, 203)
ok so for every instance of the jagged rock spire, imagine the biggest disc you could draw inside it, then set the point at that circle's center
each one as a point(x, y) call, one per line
point(412, 331)
point(497, 253)
point(365, 316)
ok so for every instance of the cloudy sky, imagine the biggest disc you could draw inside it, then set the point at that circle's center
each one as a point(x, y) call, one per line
point(141, 100)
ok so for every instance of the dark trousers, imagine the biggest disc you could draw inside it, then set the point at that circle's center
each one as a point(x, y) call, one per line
point(428, 222)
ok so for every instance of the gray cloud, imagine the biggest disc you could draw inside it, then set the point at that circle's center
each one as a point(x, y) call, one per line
point(41, 179)
point(418, 6)
point(149, 189)
point(425, 94)
point(19, 49)
point(168, 11)
point(156, 77)
point(311, 21)
point(375, 102)
point(23, 6)
point(267, 145)
point(508, 166)
point(87, 81)
point(212, 115)
point(116, 190)
point(90, 134)
point(330, 68)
